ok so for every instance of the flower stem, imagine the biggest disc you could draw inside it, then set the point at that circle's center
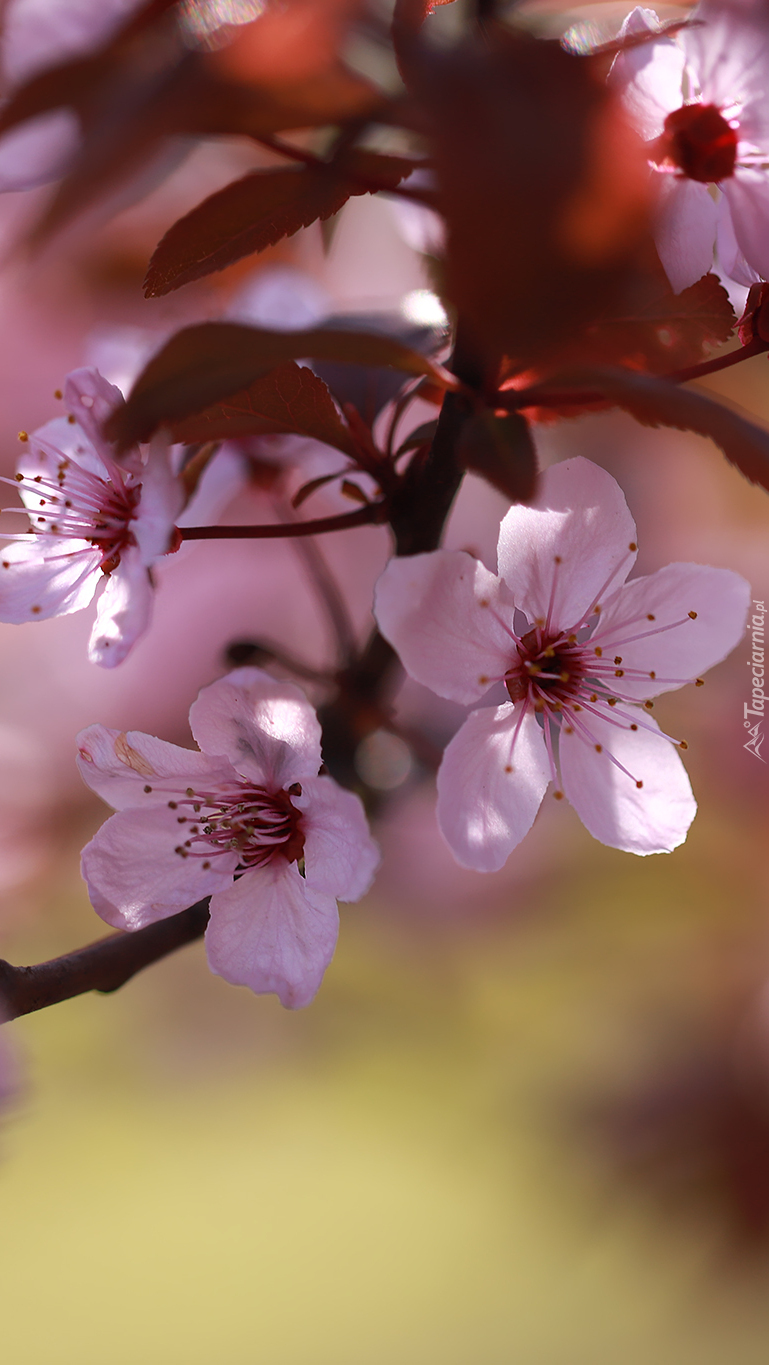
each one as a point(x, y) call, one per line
point(371, 514)
point(539, 396)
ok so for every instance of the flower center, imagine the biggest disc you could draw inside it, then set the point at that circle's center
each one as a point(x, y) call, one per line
point(111, 533)
point(251, 821)
point(74, 503)
point(699, 141)
point(548, 671)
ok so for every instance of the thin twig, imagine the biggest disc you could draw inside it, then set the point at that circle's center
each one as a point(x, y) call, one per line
point(539, 396)
point(373, 513)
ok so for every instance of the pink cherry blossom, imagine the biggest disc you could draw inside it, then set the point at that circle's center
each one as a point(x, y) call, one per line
point(93, 523)
point(245, 820)
point(699, 98)
point(580, 652)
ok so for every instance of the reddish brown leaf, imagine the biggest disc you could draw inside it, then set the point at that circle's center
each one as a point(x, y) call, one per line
point(288, 399)
point(754, 323)
point(662, 331)
point(656, 402)
point(201, 365)
point(257, 211)
point(501, 450)
point(657, 331)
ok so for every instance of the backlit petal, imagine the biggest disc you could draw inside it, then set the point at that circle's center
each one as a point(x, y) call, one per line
point(491, 782)
point(267, 729)
point(685, 229)
point(340, 855)
point(654, 818)
point(123, 613)
point(440, 611)
point(720, 599)
point(45, 576)
point(570, 547)
point(162, 499)
point(131, 865)
point(649, 77)
point(120, 766)
point(273, 933)
point(748, 194)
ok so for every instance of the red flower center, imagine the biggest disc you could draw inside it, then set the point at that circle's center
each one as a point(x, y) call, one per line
point(699, 141)
point(548, 671)
point(255, 823)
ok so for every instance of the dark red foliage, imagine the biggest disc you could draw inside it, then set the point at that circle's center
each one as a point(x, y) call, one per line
point(288, 399)
point(204, 364)
point(499, 448)
point(257, 211)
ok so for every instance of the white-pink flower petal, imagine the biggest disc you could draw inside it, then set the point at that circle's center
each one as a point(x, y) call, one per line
point(42, 577)
point(124, 611)
point(162, 499)
point(132, 865)
point(339, 854)
point(268, 730)
point(91, 399)
point(648, 76)
point(445, 613)
point(686, 219)
point(748, 194)
point(272, 932)
point(728, 49)
point(731, 258)
point(38, 151)
point(572, 546)
point(134, 769)
point(650, 607)
point(491, 782)
point(651, 818)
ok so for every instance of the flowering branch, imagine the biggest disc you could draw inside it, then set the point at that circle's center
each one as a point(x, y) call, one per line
point(104, 966)
point(372, 514)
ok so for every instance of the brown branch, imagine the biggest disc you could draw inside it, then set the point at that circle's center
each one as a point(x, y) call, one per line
point(101, 966)
point(418, 510)
point(372, 514)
